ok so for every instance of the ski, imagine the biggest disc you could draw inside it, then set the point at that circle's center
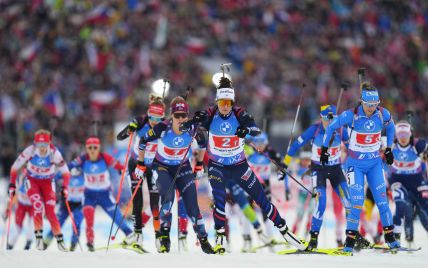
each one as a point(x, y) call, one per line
point(135, 248)
point(320, 251)
point(270, 244)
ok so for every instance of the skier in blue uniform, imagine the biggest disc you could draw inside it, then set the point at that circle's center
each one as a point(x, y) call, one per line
point(409, 189)
point(366, 122)
point(172, 169)
point(227, 126)
point(332, 170)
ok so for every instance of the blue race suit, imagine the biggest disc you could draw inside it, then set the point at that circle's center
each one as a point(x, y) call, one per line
point(332, 170)
point(172, 156)
point(364, 159)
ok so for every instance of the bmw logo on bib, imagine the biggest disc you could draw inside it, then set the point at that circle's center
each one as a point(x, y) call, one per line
point(225, 127)
point(402, 156)
point(369, 125)
point(178, 141)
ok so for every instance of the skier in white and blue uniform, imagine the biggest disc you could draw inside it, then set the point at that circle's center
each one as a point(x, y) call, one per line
point(366, 122)
point(320, 173)
point(409, 189)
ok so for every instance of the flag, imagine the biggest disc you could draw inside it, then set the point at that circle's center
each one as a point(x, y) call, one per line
point(53, 103)
point(29, 52)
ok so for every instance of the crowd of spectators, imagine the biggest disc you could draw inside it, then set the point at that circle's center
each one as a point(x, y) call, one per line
point(89, 60)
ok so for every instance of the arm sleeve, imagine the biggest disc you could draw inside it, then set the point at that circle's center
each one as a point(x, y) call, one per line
point(302, 140)
point(76, 163)
point(20, 162)
point(112, 162)
point(420, 146)
point(344, 118)
point(152, 134)
point(247, 120)
point(389, 125)
point(201, 140)
point(62, 167)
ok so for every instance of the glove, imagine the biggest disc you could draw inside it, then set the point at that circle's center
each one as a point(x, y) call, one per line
point(324, 155)
point(281, 172)
point(389, 157)
point(140, 170)
point(287, 195)
point(242, 132)
point(64, 192)
point(11, 191)
point(132, 127)
point(200, 116)
point(199, 169)
point(186, 126)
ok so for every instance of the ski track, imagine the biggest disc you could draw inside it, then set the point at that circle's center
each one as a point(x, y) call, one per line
point(117, 258)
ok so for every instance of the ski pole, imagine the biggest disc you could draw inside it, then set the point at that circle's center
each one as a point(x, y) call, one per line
point(295, 119)
point(9, 215)
point(361, 76)
point(280, 168)
point(134, 193)
point(120, 187)
point(73, 222)
point(343, 87)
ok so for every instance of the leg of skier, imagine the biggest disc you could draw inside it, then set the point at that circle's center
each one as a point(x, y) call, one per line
point(376, 181)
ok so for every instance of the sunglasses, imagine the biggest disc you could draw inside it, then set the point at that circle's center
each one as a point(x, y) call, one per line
point(179, 115)
point(42, 145)
point(224, 103)
point(371, 103)
point(92, 148)
point(155, 119)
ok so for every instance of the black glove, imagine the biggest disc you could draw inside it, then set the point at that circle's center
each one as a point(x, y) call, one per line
point(324, 155)
point(200, 116)
point(186, 126)
point(132, 127)
point(389, 157)
point(242, 132)
point(12, 190)
point(281, 171)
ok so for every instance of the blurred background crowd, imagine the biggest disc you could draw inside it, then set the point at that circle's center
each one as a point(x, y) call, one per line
point(87, 60)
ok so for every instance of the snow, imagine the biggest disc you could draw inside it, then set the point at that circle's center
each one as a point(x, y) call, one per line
point(116, 258)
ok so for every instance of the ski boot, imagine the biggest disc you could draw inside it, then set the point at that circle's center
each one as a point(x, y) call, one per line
point(60, 243)
point(220, 241)
point(158, 241)
point(182, 241)
point(9, 246)
point(73, 246)
point(134, 239)
point(165, 242)
point(28, 244)
point(389, 237)
point(377, 239)
point(351, 238)
point(205, 245)
point(90, 246)
point(40, 244)
point(248, 244)
point(313, 241)
point(339, 243)
point(290, 237)
point(361, 242)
